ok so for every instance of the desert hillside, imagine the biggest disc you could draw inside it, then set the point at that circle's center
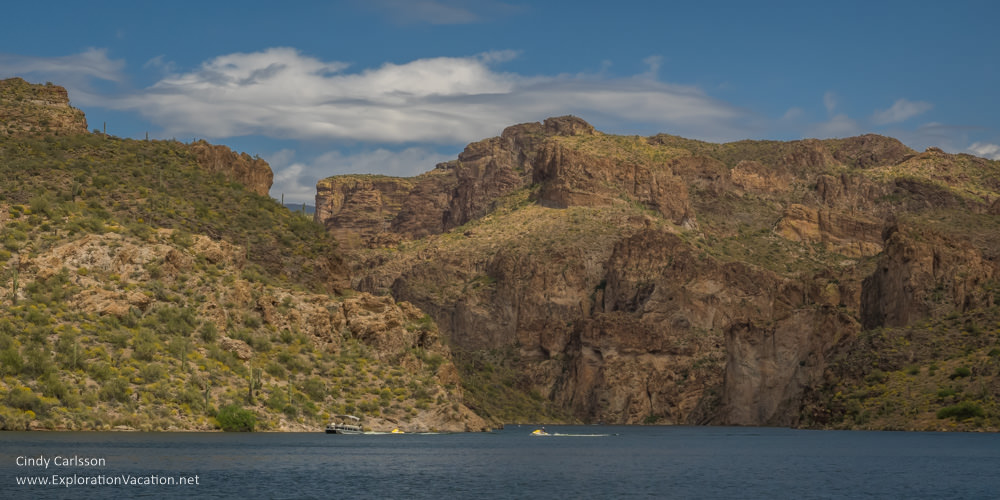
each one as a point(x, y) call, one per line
point(153, 285)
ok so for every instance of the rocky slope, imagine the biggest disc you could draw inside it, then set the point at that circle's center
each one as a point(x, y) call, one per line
point(665, 280)
point(142, 288)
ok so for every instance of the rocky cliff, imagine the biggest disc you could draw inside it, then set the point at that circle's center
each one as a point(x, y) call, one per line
point(37, 110)
point(358, 209)
point(362, 210)
point(252, 172)
point(661, 279)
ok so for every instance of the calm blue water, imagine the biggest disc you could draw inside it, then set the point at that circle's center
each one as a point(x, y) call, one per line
point(624, 462)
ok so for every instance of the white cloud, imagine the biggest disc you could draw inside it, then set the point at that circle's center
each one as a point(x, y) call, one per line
point(839, 126)
point(653, 62)
point(406, 162)
point(986, 150)
point(440, 12)
point(296, 180)
point(281, 157)
point(75, 72)
point(161, 64)
point(900, 111)
point(291, 186)
point(91, 63)
point(282, 93)
point(793, 114)
point(830, 101)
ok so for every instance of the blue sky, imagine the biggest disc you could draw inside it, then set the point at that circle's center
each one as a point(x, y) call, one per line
point(395, 86)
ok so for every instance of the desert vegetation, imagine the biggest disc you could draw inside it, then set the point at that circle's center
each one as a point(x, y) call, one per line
point(142, 292)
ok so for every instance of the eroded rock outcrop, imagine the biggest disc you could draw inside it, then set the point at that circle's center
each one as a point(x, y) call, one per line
point(358, 209)
point(252, 172)
point(37, 110)
point(574, 178)
point(850, 235)
point(922, 274)
point(363, 210)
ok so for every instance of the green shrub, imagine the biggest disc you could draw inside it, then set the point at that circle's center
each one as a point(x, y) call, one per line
point(191, 396)
point(144, 347)
point(70, 352)
point(182, 238)
point(100, 370)
point(961, 411)
point(315, 388)
point(251, 320)
point(276, 400)
point(945, 392)
point(53, 386)
point(259, 343)
point(960, 372)
point(116, 389)
point(172, 320)
point(38, 361)
point(275, 370)
point(152, 372)
point(293, 362)
point(11, 361)
point(139, 230)
point(23, 399)
point(876, 377)
point(232, 418)
point(209, 332)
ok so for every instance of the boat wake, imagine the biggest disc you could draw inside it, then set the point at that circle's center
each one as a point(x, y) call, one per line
point(397, 432)
point(540, 432)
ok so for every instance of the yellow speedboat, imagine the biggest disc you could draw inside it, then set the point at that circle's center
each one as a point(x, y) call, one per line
point(540, 432)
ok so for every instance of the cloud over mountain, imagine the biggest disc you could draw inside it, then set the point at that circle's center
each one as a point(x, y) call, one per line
point(986, 150)
point(295, 179)
point(901, 110)
point(280, 92)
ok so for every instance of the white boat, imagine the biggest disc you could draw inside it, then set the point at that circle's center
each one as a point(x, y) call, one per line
point(344, 424)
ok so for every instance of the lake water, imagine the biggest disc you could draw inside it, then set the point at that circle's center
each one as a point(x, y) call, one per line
point(577, 462)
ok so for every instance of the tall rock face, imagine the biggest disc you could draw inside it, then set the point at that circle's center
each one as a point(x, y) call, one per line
point(665, 280)
point(252, 172)
point(575, 178)
point(37, 110)
point(356, 209)
point(770, 364)
point(924, 275)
